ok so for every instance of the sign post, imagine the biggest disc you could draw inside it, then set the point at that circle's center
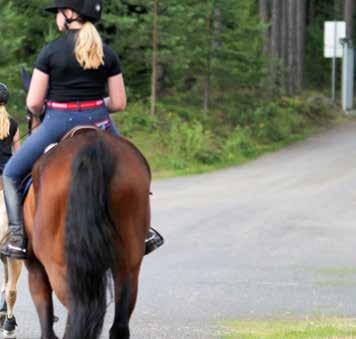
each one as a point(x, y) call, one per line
point(348, 76)
point(334, 32)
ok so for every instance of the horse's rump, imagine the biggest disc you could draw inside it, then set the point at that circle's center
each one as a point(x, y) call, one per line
point(52, 177)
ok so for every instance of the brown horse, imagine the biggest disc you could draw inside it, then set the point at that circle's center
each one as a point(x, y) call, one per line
point(86, 216)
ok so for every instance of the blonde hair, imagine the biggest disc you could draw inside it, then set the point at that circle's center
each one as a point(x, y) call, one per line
point(89, 47)
point(4, 122)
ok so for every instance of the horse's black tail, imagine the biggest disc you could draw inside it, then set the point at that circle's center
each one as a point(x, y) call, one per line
point(89, 241)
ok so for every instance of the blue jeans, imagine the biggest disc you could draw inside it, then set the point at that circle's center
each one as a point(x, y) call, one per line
point(54, 126)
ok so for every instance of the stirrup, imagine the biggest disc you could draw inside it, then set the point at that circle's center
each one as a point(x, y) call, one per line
point(154, 241)
point(14, 252)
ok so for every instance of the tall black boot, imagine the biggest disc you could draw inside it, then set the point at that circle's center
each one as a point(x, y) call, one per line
point(16, 246)
point(153, 241)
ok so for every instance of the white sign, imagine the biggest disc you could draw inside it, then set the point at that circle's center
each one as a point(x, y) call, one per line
point(334, 31)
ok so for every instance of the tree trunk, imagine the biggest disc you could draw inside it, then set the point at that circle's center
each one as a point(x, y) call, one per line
point(276, 29)
point(284, 43)
point(338, 9)
point(292, 46)
point(301, 23)
point(348, 15)
point(210, 20)
point(275, 47)
point(264, 15)
point(311, 11)
point(154, 57)
point(207, 83)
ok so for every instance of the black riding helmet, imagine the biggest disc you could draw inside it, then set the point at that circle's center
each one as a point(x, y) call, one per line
point(88, 9)
point(4, 94)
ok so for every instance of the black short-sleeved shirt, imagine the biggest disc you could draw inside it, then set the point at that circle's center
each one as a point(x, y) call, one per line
point(6, 145)
point(68, 81)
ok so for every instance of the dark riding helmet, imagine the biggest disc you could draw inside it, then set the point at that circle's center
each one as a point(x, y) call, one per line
point(4, 94)
point(88, 9)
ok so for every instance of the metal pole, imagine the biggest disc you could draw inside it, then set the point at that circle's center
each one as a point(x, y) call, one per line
point(347, 76)
point(333, 74)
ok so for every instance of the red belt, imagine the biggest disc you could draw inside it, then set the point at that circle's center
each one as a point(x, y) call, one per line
point(75, 105)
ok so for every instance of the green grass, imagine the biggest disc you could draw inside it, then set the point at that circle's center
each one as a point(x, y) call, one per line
point(308, 329)
point(176, 146)
point(151, 147)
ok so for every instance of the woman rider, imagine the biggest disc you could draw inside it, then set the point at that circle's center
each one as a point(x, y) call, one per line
point(9, 131)
point(71, 75)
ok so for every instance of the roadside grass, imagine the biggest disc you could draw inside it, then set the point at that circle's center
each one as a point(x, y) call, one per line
point(180, 141)
point(335, 328)
point(165, 164)
point(161, 161)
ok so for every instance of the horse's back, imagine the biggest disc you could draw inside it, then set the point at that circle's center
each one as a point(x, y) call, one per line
point(131, 168)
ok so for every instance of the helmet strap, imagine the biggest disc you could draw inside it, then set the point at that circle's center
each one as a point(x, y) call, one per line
point(68, 21)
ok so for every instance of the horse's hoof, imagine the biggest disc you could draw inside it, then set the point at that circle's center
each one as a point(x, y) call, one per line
point(9, 328)
point(9, 334)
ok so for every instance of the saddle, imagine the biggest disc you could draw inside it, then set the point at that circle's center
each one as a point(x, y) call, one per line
point(27, 182)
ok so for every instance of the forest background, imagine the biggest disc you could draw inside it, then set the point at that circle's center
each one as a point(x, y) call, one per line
point(210, 83)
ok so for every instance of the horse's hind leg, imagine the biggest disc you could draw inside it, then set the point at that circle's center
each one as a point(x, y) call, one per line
point(41, 292)
point(14, 268)
point(125, 300)
point(14, 271)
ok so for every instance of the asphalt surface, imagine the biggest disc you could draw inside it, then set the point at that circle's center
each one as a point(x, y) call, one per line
point(271, 239)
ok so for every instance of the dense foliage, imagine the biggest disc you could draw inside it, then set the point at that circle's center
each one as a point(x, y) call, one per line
point(213, 79)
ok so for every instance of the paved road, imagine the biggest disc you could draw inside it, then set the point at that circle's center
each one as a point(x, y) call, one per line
point(273, 238)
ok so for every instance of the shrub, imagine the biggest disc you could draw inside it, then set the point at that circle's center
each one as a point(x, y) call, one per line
point(136, 118)
point(278, 121)
point(238, 144)
point(319, 108)
point(188, 142)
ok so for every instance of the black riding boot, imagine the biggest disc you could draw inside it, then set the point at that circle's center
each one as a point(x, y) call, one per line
point(153, 240)
point(16, 246)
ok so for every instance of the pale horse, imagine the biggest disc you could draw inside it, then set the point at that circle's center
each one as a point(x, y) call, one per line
point(11, 274)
